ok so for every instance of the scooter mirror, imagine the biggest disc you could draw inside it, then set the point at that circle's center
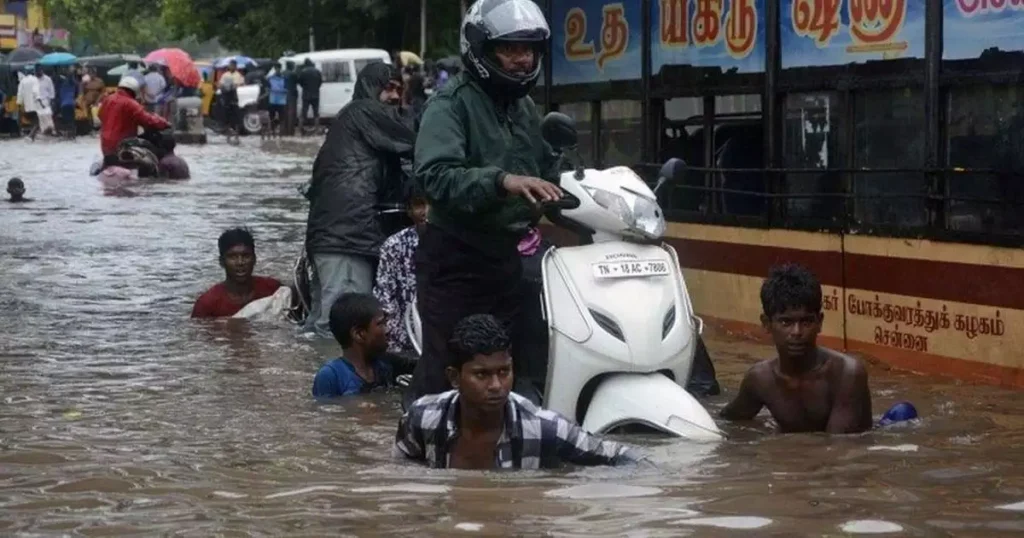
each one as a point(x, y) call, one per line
point(674, 168)
point(559, 130)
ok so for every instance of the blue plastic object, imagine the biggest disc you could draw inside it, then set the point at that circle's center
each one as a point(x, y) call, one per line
point(900, 412)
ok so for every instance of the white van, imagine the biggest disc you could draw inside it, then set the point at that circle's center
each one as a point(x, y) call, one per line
point(339, 69)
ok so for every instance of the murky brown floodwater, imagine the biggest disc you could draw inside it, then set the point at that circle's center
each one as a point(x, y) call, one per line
point(121, 416)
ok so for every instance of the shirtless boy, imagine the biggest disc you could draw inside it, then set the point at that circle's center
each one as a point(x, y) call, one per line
point(807, 388)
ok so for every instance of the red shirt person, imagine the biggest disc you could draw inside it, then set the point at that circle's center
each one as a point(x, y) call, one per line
point(122, 115)
point(240, 287)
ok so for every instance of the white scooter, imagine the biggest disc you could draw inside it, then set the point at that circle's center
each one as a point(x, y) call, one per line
point(622, 331)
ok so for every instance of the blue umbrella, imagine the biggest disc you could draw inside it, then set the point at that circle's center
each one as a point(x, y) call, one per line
point(242, 61)
point(58, 58)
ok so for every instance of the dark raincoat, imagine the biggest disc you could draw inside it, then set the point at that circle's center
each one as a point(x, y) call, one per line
point(358, 167)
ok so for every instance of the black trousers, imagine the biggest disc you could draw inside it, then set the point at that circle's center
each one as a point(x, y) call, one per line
point(455, 280)
point(308, 104)
point(276, 113)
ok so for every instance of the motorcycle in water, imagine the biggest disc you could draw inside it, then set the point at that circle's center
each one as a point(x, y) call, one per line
point(140, 155)
point(622, 330)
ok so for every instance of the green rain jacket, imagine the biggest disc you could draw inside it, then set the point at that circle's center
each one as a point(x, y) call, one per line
point(466, 145)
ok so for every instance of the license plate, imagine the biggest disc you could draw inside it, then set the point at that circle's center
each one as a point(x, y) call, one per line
point(630, 269)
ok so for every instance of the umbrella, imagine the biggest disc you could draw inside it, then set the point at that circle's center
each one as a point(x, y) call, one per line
point(58, 58)
point(180, 63)
point(118, 71)
point(409, 58)
point(24, 54)
point(241, 61)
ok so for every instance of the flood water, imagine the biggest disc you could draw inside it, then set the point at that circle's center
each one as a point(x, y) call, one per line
point(120, 416)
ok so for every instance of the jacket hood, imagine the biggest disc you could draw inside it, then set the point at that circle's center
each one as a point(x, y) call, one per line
point(373, 78)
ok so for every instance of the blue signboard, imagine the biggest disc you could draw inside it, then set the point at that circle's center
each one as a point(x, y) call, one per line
point(595, 41)
point(839, 32)
point(708, 33)
point(972, 26)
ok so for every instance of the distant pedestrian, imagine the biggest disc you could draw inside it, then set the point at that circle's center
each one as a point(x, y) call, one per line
point(310, 81)
point(29, 100)
point(277, 97)
point(67, 96)
point(291, 82)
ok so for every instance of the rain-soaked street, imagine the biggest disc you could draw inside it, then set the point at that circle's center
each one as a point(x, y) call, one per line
point(120, 416)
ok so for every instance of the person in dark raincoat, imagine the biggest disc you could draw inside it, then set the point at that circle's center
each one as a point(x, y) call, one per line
point(358, 167)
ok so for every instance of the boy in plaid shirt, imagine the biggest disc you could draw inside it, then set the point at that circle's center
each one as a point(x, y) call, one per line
point(482, 424)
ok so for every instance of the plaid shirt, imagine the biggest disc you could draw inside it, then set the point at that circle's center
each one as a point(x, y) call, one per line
point(532, 438)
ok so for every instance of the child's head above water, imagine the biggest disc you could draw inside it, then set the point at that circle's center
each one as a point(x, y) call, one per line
point(357, 321)
point(790, 287)
point(16, 188)
point(480, 366)
point(791, 304)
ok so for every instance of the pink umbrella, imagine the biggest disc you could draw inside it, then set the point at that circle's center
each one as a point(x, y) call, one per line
point(183, 69)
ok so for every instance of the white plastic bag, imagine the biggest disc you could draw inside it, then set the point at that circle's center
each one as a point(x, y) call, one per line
point(268, 308)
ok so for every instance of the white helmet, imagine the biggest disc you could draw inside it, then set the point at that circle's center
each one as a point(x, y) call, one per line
point(129, 83)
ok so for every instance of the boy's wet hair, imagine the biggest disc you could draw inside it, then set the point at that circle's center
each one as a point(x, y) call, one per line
point(15, 182)
point(414, 193)
point(235, 237)
point(352, 311)
point(788, 287)
point(479, 334)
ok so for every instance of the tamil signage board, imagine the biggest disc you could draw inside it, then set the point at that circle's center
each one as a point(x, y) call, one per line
point(8, 32)
point(839, 32)
point(595, 41)
point(970, 27)
point(729, 34)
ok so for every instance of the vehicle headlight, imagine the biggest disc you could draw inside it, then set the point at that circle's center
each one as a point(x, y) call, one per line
point(640, 214)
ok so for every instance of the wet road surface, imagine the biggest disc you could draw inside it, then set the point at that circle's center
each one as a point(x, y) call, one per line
point(120, 416)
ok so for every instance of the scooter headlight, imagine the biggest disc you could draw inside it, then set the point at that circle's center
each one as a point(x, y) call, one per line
point(640, 214)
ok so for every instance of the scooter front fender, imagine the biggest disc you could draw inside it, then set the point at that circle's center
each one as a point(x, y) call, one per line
point(652, 400)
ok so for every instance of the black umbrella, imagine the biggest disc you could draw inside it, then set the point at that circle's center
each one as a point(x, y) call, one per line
point(24, 55)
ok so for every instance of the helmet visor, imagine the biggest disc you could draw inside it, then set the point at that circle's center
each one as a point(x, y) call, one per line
point(513, 20)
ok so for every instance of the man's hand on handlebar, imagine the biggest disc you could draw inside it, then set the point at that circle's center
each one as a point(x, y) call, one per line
point(533, 189)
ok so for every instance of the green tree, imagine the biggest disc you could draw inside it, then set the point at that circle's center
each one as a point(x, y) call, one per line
point(262, 28)
point(111, 25)
point(270, 27)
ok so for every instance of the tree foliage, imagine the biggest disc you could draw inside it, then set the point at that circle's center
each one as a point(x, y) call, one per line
point(94, 26)
point(270, 27)
point(259, 28)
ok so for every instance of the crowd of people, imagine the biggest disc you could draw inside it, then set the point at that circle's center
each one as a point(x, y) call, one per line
point(480, 169)
point(49, 102)
point(49, 97)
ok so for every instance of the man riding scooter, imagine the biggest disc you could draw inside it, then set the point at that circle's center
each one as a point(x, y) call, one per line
point(121, 115)
point(480, 158)
point(485, 167)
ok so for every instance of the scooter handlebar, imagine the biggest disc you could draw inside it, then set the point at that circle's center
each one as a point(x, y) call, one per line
point(567, 201)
